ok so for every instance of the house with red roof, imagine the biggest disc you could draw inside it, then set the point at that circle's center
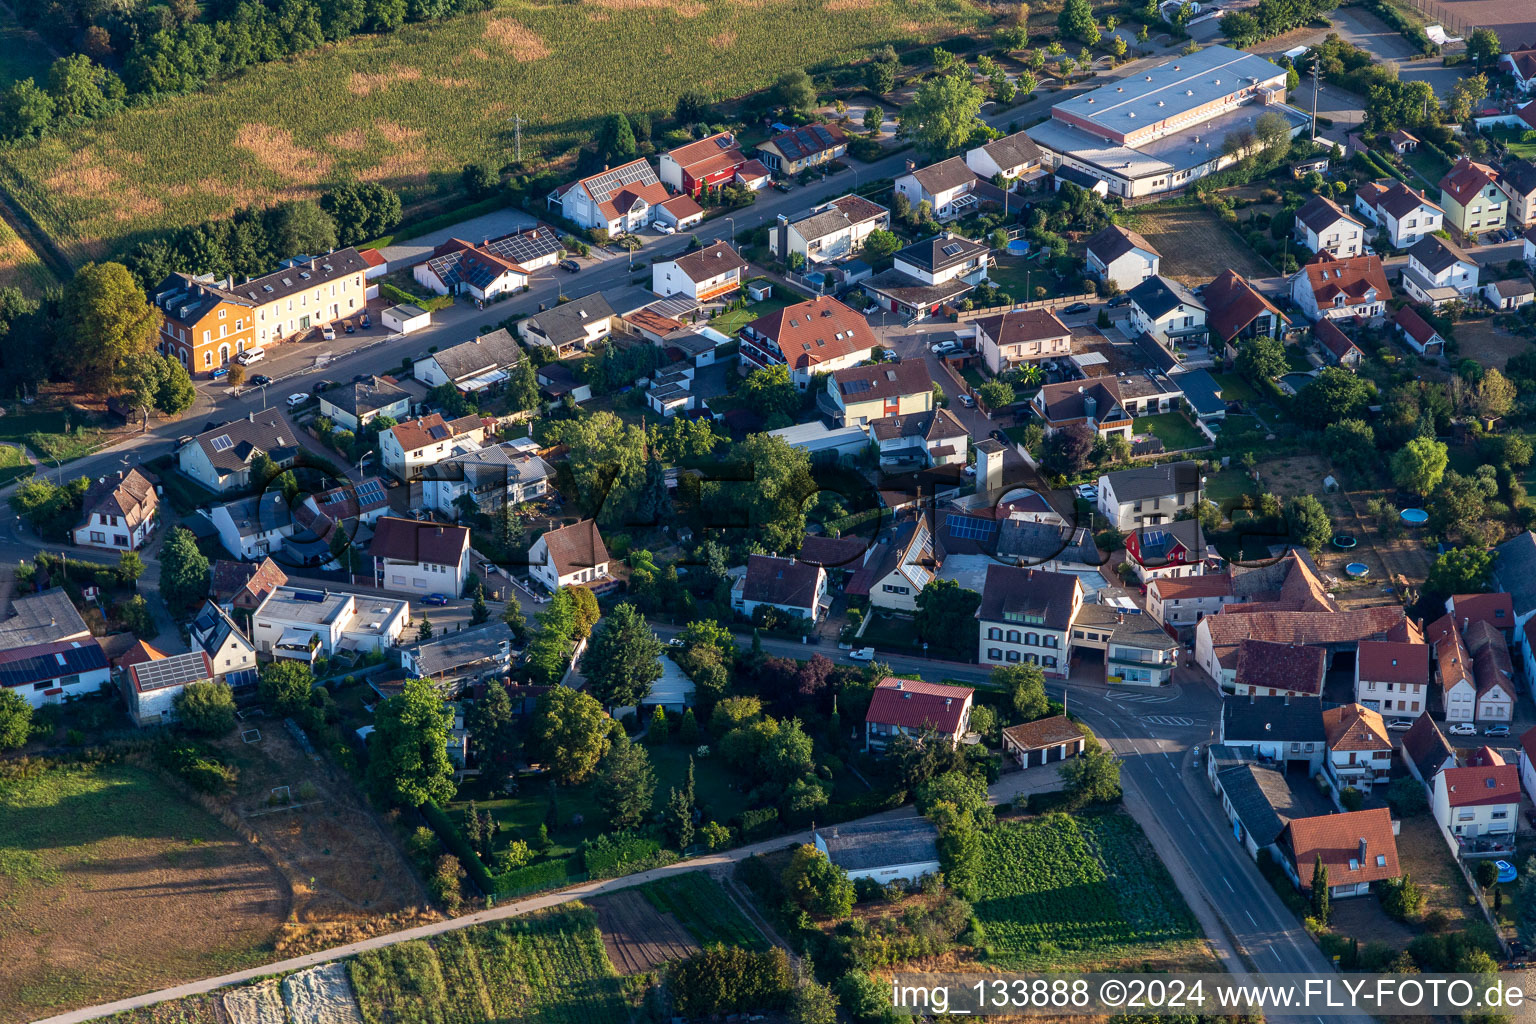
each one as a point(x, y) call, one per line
point(1404, 214)
point(1392, 677)
point(907, 707)
point(1338, 348)
point(1179, 603)
point(679, 212)
point(1473, 201)
point(1269, 669)
point(820, 335)
point(1339, 288)
point(1417, 333)
point(1520, 63)
point(1498, 610)
point(1478, 797)
point(708, 162)
point(1357, 848)
point(801, 148)
point(1359, 749)
point(1236, 311)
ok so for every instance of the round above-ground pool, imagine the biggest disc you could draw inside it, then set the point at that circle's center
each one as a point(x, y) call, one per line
point(1343, 541)
point(1414, 515)
point(1018, 247)
point(1357, 569)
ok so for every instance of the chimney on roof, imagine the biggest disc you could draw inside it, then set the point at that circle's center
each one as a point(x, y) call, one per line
point(1362, 851)
point(251, 416)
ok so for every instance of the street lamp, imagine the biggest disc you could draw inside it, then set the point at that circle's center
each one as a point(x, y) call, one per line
point(263, 397)
point(360, 460)
point(732, 239)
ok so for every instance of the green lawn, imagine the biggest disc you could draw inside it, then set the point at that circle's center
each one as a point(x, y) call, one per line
point(1428, 163)
point(887, 630)
point(12, 464)
point(1515, 139)
point(1234, 388)
point(1174, 429)
point(50, 432)
point(1228, 485)
point(733, 321)
point(1020, 277)
point(1296, 359)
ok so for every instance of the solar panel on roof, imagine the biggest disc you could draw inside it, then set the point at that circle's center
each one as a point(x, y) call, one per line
point(854, 387)
point(221, 443)
point(436, 431)
point(1154, 538)
point(370, 491)
point(952, 249)
point(969, 527)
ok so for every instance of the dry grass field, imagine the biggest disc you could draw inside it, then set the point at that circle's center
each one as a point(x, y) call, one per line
point(410, 108)
point(1488, 344)
point(1195, 244)
point(111, 883)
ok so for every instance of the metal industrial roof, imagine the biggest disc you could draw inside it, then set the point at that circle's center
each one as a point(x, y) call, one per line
point(1171, 90)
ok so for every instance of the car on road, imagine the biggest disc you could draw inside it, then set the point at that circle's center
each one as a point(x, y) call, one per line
point(783, 186)
point(321, 385)
point(435, 599)
point(297, 399)
point(219, 371)
point(675, 641)
point(862, 654)
point(1118, 300)
point(1088, 492)
point(1497, 730)
point(260, 380)
point(967, 401)
point(1400, 724)
point(1462, 729)
point(328, 332)
point(665, 229)
point(570, 266)
point(1077, 307)
point(999, 437)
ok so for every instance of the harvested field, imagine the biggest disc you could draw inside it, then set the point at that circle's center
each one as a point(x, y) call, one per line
point(321, 995)
point(255, 1004)
point(248, 140)
point(348, 878)
point(1195, 244)
point(637, 936)
point(111, 883)
point(1513, 20)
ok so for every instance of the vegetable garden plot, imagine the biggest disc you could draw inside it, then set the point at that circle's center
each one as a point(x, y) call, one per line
point(705, 909)
point(1063, 891)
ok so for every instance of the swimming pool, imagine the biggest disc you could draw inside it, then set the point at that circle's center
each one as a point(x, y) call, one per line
point(1416, 516)
point(1018, 247)
point(1357, 569)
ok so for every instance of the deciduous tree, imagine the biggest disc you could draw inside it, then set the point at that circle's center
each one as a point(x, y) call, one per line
point(943, 115)
point(408, 761)
point(184, 570)
point(15, 720)
point(105, 321)
point(570, 731)
point(205, 708)
point(1420, 464)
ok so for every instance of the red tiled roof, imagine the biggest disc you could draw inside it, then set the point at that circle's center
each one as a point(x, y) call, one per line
point(1498, 610)
point(1335, 340)
point(372, 257)
point(1414, 325)
point(915, 705)
point(139, 653)
point(418, 433)
point(815, 331)
point(1355, 727)
point(1352, 277)
point(682, 206)
point(1263, 665)
point(577, 546)
point(1227, 630)
point(1044, 732)
point(1466, 179)
point(1190, 587)
point(708, 155)
point(1480, 785)
point(1233, 304)
point(1386, 661)
point(1337, 839)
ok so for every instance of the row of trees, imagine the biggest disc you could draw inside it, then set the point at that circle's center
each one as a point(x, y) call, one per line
point(169, 49)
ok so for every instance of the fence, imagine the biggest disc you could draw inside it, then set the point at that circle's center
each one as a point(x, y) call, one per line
point(1454, 24)
point(1060, 300)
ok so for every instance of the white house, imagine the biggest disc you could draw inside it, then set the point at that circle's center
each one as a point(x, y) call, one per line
point(618, 200)
point(119, 512)
point(944, 258)
point(1528, 763)
point(903, 851)
point(1179, 603)
point(46, 673)
point(788, 585)
point(570, 326)
point(896, 567)
point(405, 318)
point(1509, 295)
point(407, 449)
point(1015, 157)
point(150, 687)
point(1026, 617)
point(1392, 677)
point(830, 231)
point(481, 362)
point(1359, 748)
point(1341, 288)
point(1417, 333)
point(495, 475)
point(907, 707)
point(1439, 272)
point(1404, 214)
point(1286, 731)
point(569, 556)
point(1323, 227)
point(304, 624)
point(354, 405)
point(1521, 66)
point(419, 558)
point(1122, 257)
point(1479, 797)
point(1168, 311)
point(704, 274)
point(220, 458)
point(1149, 495)
point(231, 655)
point(252, 528)
point(1020, 337)
point(948, 186)
point(671, 391)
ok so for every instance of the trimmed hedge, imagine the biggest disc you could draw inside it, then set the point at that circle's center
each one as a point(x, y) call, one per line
point(550, 874)
point(609, 856)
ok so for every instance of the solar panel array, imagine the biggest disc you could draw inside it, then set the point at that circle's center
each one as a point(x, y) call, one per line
point(221, 443)
point(952, 249)
point(601, 186)
point(174, 671)
point(73, 661)
point(969, 527)
point(525, 246)
point(370, 491)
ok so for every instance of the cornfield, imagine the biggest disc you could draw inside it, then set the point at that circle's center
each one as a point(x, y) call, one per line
point(20, 267)
point(1074, 892)
point(410, 108)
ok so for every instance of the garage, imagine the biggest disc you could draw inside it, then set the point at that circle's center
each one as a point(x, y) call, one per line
point(1042, 742)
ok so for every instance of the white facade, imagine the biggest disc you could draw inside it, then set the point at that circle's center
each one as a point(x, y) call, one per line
point(1127, 270)
point(1476, 820)
point(1011, 643)
point(295, 622)
point(112, 533)
point(1407, 230)
point(1344, 237)
point(667, 279)
point(1461, 275)
point(251, 529)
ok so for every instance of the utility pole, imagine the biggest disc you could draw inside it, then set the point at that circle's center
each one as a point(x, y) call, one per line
point(1315, 61)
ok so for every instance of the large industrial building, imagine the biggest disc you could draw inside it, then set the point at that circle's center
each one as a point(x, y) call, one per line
point(1158, 130)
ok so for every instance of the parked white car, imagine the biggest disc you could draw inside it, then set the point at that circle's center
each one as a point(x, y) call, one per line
point(665, 229)
point(297, 399)
point(328, 332)
point(1463, 729)
point(251, 355)
point(862, 654)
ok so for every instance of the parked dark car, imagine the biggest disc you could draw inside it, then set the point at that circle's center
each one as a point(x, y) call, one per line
point(783, 186)
point(347, 326)
point(1000, 437)
point(1078, 307)
point(570, 266)
point(321, 385)
point(435, 599)
point(1118, 300)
